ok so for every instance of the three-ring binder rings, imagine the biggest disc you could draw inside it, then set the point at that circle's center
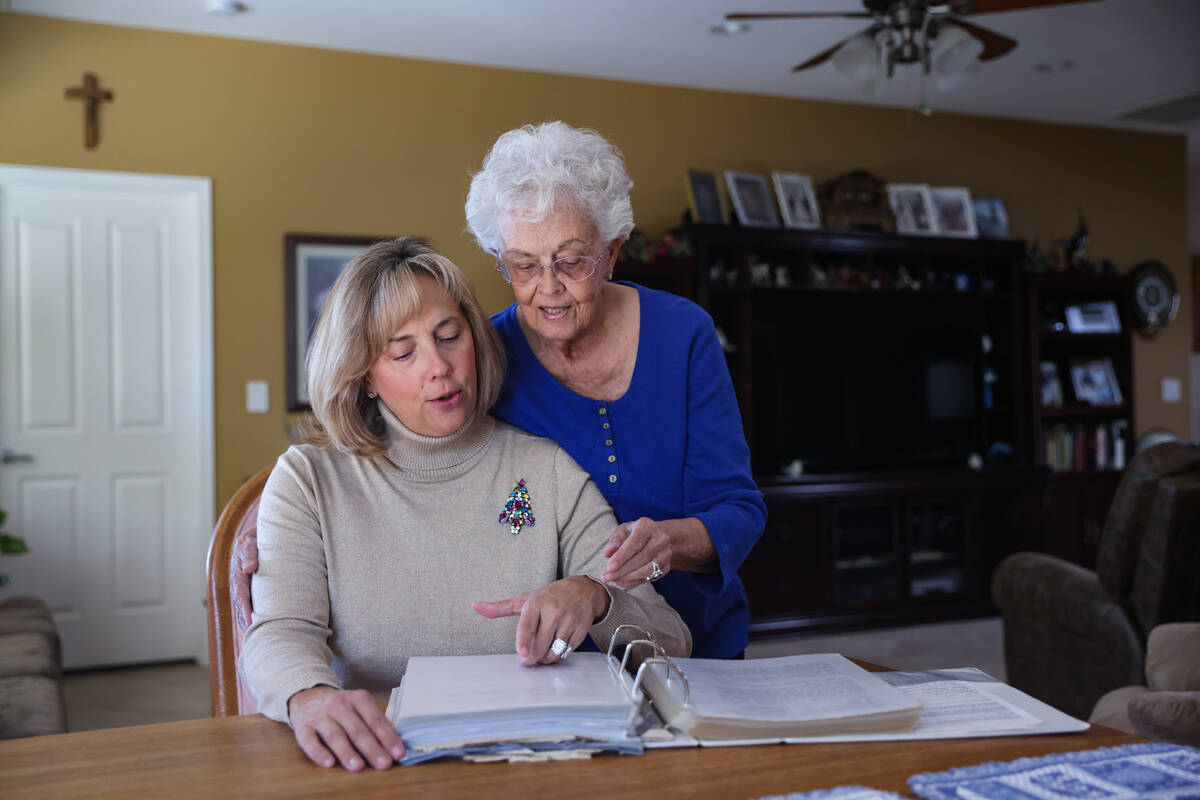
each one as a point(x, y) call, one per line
point(634, 695)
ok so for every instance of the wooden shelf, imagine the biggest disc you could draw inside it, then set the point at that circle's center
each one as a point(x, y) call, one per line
point(1084, 411)
point(1083, 338)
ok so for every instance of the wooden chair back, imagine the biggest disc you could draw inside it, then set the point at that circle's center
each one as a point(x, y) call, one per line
point(229, 695)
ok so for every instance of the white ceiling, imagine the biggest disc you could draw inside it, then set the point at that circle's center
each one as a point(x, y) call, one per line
point(1126, 53)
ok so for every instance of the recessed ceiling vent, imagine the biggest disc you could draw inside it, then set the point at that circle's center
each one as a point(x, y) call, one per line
point(1172, 112)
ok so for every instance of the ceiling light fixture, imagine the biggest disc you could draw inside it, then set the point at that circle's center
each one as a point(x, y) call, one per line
point(225, 8)
point(951, 55)
point(1055, 66)
point(913, 32)
point(729, 27)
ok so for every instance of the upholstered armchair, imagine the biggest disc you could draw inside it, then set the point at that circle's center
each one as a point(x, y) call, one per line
point(1166, 706)
point(1072, 634)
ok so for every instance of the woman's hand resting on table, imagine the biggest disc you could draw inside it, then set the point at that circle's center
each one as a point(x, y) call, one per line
point(564, 609)
point(336, 726)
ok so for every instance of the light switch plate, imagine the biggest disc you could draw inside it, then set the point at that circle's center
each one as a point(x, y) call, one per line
point(258, 397)
point(1172, 391)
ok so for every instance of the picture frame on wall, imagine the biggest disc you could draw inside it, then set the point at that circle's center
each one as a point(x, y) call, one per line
point(312, 262)
point(1095, 382)
point(751, 199)
point(704, 197)
point(953, 211)
point(912, 205)
point(797, 201)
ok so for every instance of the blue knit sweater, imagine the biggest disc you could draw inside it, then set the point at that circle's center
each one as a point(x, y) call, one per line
point(671, 447)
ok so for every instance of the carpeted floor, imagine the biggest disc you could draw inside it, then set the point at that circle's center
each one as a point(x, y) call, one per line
point(968, 643)
point(115, 698)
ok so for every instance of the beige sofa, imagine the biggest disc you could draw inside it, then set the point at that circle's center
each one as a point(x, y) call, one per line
point(31, 692)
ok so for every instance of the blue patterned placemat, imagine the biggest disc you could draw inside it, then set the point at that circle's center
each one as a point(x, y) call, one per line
point(840, 793)
point(1159, 771)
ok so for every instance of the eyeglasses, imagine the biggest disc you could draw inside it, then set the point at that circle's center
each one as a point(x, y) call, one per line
point(568, 268)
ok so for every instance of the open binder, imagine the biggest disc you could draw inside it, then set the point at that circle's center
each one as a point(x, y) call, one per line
point(766, 700)
point(634, 696)
point(486, 707)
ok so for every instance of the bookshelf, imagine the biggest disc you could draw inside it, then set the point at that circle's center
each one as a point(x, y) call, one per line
point(1085, 445)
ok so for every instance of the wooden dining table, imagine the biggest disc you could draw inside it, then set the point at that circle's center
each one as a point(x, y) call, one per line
point(252, 756)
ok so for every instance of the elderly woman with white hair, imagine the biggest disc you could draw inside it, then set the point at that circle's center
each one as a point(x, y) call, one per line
point(631, 382)
point(413, 523)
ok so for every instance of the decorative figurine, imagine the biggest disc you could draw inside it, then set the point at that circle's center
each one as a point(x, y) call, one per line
point(856, 200)
point(760, 273)
point(820, 278)
point(1075, 245)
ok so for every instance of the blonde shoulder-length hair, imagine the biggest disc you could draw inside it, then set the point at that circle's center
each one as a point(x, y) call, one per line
point(374, 296)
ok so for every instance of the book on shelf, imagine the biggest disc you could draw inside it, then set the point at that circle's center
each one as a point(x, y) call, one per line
point(489, 707)
point(1077, 446)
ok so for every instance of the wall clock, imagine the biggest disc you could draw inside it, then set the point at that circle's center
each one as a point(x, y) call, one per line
point(1155, 298)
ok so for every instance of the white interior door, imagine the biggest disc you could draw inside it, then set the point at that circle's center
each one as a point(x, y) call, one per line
point(106, 406)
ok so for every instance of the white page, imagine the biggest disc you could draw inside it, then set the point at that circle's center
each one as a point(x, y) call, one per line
point(999, 710)
point(789, 688)
point(443, 686)
point(967, 703)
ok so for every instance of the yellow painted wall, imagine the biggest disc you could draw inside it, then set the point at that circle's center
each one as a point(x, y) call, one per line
point(299, 139)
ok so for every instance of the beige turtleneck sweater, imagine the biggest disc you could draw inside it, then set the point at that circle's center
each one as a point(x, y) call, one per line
point(364, 562)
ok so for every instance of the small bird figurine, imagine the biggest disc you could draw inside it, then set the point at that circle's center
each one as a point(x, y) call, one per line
point(1075, 245)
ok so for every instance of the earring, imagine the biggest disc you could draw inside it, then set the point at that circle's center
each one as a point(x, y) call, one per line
point(370, 395)
point(610, 276)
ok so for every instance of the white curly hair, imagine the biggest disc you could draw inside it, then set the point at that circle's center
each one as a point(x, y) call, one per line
point(531, 169)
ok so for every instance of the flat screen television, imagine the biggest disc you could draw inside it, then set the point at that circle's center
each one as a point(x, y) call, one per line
point(856, 397)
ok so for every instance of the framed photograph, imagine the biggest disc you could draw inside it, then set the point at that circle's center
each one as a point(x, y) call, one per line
point(953, 211)
point(1095, 382)
point(751, 199)
point(913, 206)
point(704, 197)
point(991, 218)
point(312, 262)
point(796, 200)
point(1098, 317)
point(1052, 393)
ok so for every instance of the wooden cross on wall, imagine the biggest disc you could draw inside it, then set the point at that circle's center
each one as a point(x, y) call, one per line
point(92, 95)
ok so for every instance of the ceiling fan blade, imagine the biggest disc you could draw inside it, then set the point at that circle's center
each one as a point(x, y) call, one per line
point(822, 57)
point(996, 6)
point(801, 15)
point(994, 44)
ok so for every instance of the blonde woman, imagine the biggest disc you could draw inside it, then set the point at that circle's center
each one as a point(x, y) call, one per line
point(412, 522)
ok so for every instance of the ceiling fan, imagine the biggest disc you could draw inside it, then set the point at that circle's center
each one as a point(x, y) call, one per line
point(910, 31)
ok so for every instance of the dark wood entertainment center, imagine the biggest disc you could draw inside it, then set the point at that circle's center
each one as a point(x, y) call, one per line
point(877, 543)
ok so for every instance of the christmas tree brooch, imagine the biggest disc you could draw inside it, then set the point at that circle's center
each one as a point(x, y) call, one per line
point(517, 510)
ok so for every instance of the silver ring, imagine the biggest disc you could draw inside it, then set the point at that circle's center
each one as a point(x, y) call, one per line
point(560, 648)
point(566, 653)
point(655, 572)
